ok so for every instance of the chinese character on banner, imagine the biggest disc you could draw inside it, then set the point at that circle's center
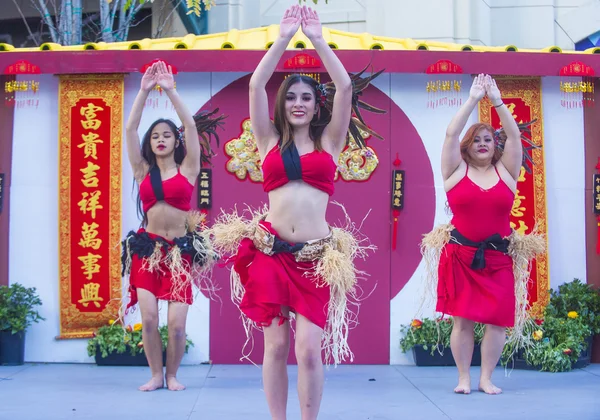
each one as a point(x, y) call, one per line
point(90, 265)
point(22, 92)
point(89, 112)
point(90, 203)
point(89, 236)
point(398, 179)
point(205, 189)
point(577, 85)
point(157, 98)
point(90, 293)
point(89, 145)
point(90, 176)
point(443, 89)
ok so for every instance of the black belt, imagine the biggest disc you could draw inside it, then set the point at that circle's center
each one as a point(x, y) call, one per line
point(279, 245)
point(494, 242)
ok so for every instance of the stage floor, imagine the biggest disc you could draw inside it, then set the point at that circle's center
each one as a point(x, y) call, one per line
point(223, 392)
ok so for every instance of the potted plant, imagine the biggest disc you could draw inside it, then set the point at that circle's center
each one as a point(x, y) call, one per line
point(430, 342)
point(118, 345)
point(17, 313)
point(562, 340)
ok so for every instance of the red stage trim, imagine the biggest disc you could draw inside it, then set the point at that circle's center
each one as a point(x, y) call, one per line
point(106, 61)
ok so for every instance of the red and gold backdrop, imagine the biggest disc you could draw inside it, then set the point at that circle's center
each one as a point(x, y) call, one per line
point(90, 120)
point(524, 100)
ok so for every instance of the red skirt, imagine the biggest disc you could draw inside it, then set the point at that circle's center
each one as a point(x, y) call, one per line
point(160, 281)
point(486, 296)
point(271, 282)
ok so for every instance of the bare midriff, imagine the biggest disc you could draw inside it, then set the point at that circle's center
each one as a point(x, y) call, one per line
point(166, 221)
point(297, 212)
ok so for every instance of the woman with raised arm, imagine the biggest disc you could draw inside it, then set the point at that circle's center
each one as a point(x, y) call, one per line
point(482, 275)
point(169, 254)
point(289, 260)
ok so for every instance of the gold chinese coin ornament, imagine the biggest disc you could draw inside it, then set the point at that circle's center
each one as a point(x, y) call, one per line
point(244, 157)
point(356, 164)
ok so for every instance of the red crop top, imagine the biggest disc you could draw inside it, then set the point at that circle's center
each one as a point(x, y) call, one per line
point(316, 168)
point(177, 192)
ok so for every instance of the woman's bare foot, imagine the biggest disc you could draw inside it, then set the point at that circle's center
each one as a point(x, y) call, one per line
point(173, 384)
point(489, 388)
point(153, 384)
point(464, 385)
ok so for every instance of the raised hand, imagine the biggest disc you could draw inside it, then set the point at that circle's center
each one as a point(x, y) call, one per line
point(290, 22)
point(148, 79)
point(492, 91)
point(478, 88)
point(164, 76)
point(311, 25)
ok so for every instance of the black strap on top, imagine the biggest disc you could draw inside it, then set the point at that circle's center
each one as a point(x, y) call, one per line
point(156, 181)
point(495, 242)
point(291, 162)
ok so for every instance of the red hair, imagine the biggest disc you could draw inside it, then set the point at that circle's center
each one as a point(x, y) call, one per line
point(469, 138)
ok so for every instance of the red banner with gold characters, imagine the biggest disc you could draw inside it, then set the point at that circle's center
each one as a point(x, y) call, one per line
point(523, 99)
point(90, 121)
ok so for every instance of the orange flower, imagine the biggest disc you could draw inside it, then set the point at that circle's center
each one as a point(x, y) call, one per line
point(416, 323)
point(128, 328)
point(137, 327)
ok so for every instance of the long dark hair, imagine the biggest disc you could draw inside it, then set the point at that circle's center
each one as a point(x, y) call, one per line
point(206, 127)
point(282, 125)
point(324, 95)
point(150, 157)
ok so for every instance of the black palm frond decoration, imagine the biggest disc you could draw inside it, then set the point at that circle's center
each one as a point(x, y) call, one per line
point(207, 125)
point(524, 128)
point(357, 123)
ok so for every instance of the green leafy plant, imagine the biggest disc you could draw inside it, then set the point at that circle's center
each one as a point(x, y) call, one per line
point(562, 345)
point(432, 334)
point(117, 338)
point(18, 308)
point(576, 297)
point(571, 317)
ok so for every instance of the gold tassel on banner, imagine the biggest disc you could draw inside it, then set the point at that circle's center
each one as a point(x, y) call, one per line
point(576, 86)
point(316, 76)
point(444, 90)
point(22, 93)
